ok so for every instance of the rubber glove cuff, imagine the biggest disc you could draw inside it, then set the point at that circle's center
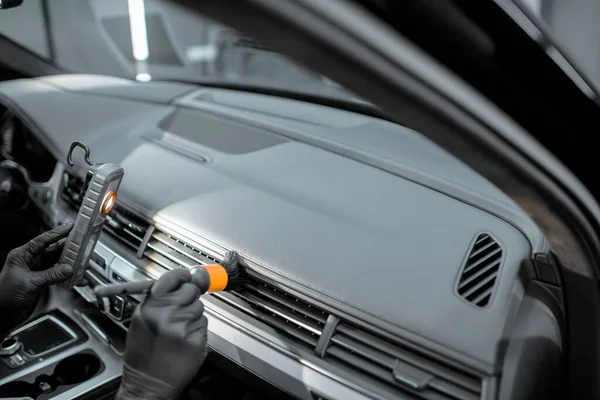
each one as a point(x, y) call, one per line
point(136, 385)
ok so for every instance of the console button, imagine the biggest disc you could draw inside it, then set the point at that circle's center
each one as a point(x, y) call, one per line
point(118, 278)
point(45, 387)
point(130, 306)
point(98, 260)
point(17, 359)
point(117, 305)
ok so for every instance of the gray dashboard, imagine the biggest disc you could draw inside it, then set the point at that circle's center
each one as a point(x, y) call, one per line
point(364, 215)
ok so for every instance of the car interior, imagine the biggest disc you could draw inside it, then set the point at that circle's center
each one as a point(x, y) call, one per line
point(380, 265)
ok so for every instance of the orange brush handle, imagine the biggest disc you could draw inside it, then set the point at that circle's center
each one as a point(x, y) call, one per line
point(218, 277)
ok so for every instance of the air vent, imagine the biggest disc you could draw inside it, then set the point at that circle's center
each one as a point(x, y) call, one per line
point(126, 226)
point(479, 274)
point(120, 223)
point(385, 362)
point(170, 252)
point(71, 190)
point(287, 314)
point(162, 251)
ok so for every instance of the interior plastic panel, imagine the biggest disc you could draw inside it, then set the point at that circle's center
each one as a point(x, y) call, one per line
point(534, 359)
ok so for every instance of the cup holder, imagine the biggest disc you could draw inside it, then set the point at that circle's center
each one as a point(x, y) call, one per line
point(76, 369)
point(19, 389)
point(71, 371)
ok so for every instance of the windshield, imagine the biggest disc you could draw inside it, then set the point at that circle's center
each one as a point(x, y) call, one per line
point(151, 40)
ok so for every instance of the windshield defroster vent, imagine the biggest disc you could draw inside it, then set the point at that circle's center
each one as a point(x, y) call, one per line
point(480, 272)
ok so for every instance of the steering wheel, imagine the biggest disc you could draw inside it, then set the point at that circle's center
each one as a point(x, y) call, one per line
point(13, 190)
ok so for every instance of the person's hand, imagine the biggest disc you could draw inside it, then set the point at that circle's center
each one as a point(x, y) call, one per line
point(27, 272)
point(166, 343)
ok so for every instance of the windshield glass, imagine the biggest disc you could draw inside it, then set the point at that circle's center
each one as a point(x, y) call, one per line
point(155, 40)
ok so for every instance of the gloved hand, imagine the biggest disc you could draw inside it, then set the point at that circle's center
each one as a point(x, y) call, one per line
point(166, 343)
point(27, 272)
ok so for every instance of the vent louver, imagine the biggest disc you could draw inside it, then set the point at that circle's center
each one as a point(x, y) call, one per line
point(384, 361)
point(126, 226)
point(163, 252)
point(120, 223)
point(295, 318)
point(480, 272)
point(71, 189)
point(357, 351)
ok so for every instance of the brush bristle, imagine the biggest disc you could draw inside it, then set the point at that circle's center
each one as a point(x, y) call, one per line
point(231, 263)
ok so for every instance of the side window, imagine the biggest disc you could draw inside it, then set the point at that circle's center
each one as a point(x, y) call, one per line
point(26, 25)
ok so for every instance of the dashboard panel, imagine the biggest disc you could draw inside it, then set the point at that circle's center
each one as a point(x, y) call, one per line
point(361, 236)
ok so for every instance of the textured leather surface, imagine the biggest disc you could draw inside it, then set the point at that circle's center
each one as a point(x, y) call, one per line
point(363, 239)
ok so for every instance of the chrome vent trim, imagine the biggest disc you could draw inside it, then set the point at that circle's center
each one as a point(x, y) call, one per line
point(479, 274)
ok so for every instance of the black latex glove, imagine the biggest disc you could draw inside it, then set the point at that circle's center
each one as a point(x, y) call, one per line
point(27, 272)
point(166, 343)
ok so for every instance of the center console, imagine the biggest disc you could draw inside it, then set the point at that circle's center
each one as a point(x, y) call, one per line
point(56, 355)
point(51, 380)
point(35, 340)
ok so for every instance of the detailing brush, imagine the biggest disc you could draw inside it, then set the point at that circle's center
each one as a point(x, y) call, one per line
point(209, 278)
